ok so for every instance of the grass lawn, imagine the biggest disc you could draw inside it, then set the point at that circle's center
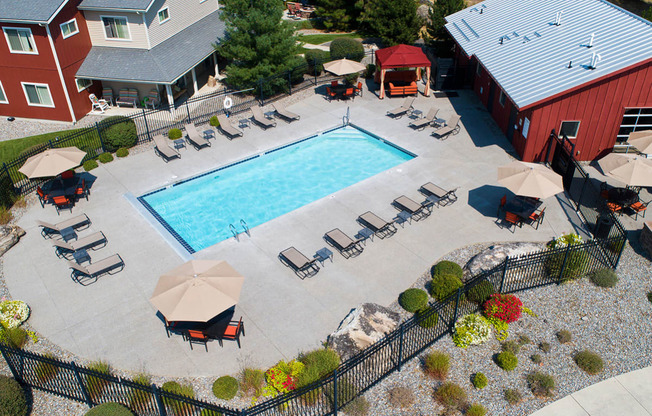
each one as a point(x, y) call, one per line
point(326, 37)
point(10, 149)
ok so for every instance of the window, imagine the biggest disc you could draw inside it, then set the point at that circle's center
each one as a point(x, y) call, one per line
point(69, 28)
point(38, 95)
point(83, 83)
point(634, 119)
point(569, 129)
point(163, 15)
point(116, 28)
point(502, 98)
point(20, 40)
point(478, 69)
point(3, 96)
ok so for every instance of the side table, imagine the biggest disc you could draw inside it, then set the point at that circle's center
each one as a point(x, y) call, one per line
point(209, 134)
point(364, 234)
point(403, 217)
point(179, 143)
point(81, 256)
point(68, 233)
point(323, 254)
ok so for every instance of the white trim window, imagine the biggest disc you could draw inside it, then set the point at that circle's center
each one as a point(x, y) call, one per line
point(115, 28)
point(83, 83)
point(69, 28)
point(502, 98)
point(3, 96)
point(20, 40)
point(163, 15)
point(569, 129)
point(38, 95)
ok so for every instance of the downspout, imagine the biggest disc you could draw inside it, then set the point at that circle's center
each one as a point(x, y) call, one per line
point(149, 45)
point(63, 83)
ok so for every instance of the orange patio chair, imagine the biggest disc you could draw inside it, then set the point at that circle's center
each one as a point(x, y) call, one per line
point(604, 190)
point(42, 196)
point(331, 94)
point(503, 201)
point(537, 217)
point(614, 208)
point(334, 83)
point(82, 190)
point(61, 202)
point(639, 207)
point(198, 337)
point(513, 219)
point(67, 174)
point(358, 89)
point(349, 93)
point(233, 331)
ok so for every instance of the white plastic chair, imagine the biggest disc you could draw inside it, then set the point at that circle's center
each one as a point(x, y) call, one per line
point(98, 104)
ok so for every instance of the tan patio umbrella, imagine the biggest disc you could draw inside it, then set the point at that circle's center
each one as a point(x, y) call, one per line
point(343, 67)
point(530, 179)
point(641, 140)
point(632, 170)
point(197, 290)
point(52, 162)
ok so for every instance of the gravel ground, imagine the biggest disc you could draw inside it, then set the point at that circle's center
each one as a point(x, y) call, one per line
point(23, 127)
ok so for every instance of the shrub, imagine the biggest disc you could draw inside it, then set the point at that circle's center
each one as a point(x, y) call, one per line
point(369, 72)
point(298, 66)
point(524, 340)
point(15, 337)
point(451, 396)
point(20, 202)
point(347, 48)
point(209, 412)
point(426, 318)
point(46, 371)
point(213, 121)
point(545, 347)
point(122, 152)
point(479, 380)
point(317, 365)
point(90, 165)
point(604, 278)
point(139, 399)
point(589, 361)
point(444, 285)
point(358, 407)
point(446, 267)
point(121, 134)
point(512, 396)
point(174, 134)
point(616, 246)
point(345, 392)
point(564, 336)
point(507, 308)
point(12, 398)
point(511, 346)
point(506, 360)
point(252, 380)
point(481, 292)
point(109, 409)
point(437, 365)
point(472, 329)
point(649, 296)
point(105, 157)
point(13, 313)
point(95, 385)
point(541, 384)
point(225, 387)
point(536, 359)
point(315, 59)
point(282, 378)
point(413, 300)
point(476, 409)
point(575, 262)
point(178, 407)
point(401, 397)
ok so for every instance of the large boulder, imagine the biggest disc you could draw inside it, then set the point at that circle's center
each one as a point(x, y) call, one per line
point(496, 254)
point(9, 235)
point(362, 327)
point(646, 237)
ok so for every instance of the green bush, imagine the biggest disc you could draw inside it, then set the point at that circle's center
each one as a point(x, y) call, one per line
point(476, 409)
point(105, 157)
point(545, 347)
point(225, 387)
point(139, 400)
point(109, 409)
point(574, 260)
point(564, 336)
point(649, 296)
point(16, 337)
point(446, 267)
point(589, 361)
point(541, 384)
point(413, 300)
point(298, 66)
point(444, 285)
point(512, 346)
point(426, 318)
point(122, 152)
point(480, 381)
point(345, 392)
point(347, 48)
point(401, 397)
point(506, 360)
point(512, 396)
point(451, 396)
point(121, 134)
point(46, 371)
point(5, 216)
point(12, 398)
point(370, 71)
point(208, 412)
point(315, 59)
point(616, 246)
point(178, 407)
point(317, 365)
point(524, 340)
point(90, 165)
point(174, 134)
point(604, 278)
point(252, 381)
point(437, 365)
point(95, 385)
point(536, 358)
point(213, 122)
point(481, 292)
point(358, 407)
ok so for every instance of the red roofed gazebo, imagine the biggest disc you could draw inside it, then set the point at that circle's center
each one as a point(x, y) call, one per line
point(402, 56)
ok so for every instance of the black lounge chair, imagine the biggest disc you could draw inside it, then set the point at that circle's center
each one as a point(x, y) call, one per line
point(80, 222)
point(416, 210)
point(109, 265)
point(302, 265)
point(194, 138)
point(90, 242)
point(343, 243)
point(452, 127)
point(405, 108)
point(289, 116)
point(379, 226)
point(438, 195)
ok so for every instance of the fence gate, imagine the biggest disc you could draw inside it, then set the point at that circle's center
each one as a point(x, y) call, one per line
point(562, 158)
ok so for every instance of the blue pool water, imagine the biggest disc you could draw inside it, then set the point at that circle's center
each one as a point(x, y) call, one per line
point(200, 210)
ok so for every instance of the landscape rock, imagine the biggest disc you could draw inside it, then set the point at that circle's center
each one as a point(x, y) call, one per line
point(646, 237)
point(9, 235)
point(362, 327)
point(496, 254)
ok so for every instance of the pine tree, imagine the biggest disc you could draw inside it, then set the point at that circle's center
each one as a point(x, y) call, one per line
point(257, 43)
point(394, 21)
point(341, 15)
point(438, 11)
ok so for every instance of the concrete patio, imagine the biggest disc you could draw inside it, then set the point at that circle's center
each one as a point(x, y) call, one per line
point(113, 320)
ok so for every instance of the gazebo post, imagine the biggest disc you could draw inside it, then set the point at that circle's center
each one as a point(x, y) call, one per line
point(427, 91)
point(382, 83)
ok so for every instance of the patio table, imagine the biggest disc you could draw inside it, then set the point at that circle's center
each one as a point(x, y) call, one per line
point(522, 208)
point(81, 256)
point(270, 114)
point(244, 122)
point(403, 217)
point(622, 196)
point(179, 143)
point(416, 114)
point(365, 234)
point(68, 233)
point(209, 134)
point(323, 254)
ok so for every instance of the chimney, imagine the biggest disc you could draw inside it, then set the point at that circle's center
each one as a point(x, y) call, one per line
point(558, 18)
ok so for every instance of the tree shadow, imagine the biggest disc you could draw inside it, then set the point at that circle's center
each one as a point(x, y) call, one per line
point(486, 199)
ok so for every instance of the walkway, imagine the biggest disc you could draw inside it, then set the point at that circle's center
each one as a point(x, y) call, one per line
point(628, 394)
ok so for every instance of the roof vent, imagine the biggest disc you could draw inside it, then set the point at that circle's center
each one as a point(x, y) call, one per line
point(590, 45)
point(595, 58)
point(558, 18)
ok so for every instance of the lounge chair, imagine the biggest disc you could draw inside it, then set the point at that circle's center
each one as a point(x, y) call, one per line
point(261, 119)
point(93, 241)
point(343, 243)
point(379, 226)
point(302, 266)
point(424, 122)
point(405, 108)
point(162, 148)
point(416, 210)
point(227, 128)
point(97, 269)
point(440, 196)
point(452, 127)
point(289, 116)
point(98, 104)
point(194, 138)
point(107, 95)
point(80, 222)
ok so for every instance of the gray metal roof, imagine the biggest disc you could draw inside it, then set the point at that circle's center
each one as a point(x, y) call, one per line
point(532, 62)
point(135, 5)
point(163, 64)
point(29, 10)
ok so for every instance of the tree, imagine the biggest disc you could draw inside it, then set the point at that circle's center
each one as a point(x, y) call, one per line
point(339, 14)
point(257, 43)
point(438, 11)
point(647, 14)
point(394, 21)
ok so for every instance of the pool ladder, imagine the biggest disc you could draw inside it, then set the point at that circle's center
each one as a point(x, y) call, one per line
point(234, 231)
point(346, 117)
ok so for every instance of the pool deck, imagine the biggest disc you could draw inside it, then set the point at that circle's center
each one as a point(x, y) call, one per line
point(113, 320)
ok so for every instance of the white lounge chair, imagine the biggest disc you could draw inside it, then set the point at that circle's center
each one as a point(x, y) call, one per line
point(163, 148)
point(289, 116)
point(229, 129)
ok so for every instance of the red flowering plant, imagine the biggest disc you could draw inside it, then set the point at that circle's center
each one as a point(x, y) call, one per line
point(506, 308)
point(282, 378)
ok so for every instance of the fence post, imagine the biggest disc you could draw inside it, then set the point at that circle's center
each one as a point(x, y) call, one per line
point(188, 111)
point(262, 96)
point(159, 401)
point(400, 347)
point(502, 278)
point(314, 68)
point(99, 134)
point(290, 82)
point(149, 136)
point(17, 376)
point(579, 198)
point(457, 306)
point(563, 264)
point(87, 396)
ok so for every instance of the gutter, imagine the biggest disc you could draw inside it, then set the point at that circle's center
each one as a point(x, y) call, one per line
point(63, 83)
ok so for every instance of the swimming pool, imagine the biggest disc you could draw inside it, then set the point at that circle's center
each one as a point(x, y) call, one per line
point(198, 211)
